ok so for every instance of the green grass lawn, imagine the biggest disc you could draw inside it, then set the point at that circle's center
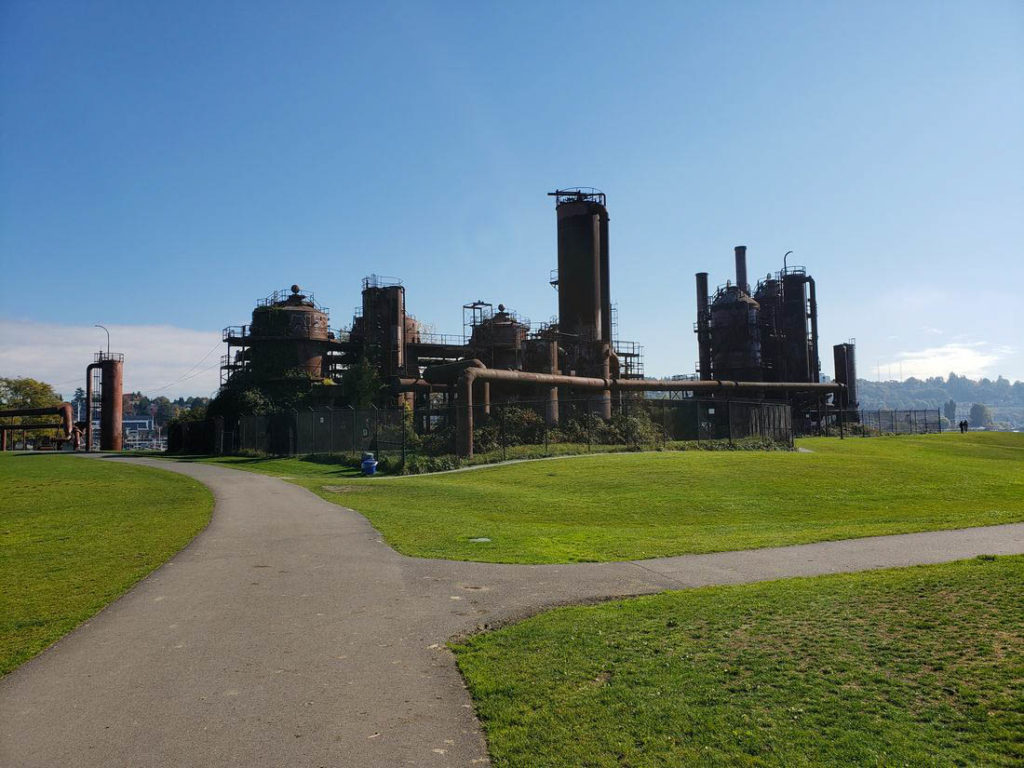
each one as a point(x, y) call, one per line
point(620, 507)
point(918, 666)
point(75, 534)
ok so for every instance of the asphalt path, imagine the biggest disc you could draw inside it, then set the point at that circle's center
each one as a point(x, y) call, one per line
point(289, 634)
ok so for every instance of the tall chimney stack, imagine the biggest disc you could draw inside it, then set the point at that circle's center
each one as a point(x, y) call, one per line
point(741, 268)
point(703, 343)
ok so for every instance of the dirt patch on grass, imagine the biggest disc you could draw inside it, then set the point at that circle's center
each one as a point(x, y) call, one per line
point(344, 488)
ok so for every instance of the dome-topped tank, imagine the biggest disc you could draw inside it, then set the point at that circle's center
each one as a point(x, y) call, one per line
point(497, 340)
point(735, 336)
point(286, 334)
point(292, 315)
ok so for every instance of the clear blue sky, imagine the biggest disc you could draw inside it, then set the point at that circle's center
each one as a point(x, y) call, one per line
point(169, 163)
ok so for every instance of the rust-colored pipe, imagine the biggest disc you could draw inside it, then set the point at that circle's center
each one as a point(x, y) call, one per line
point(465, 372)
point(63, 410)
point(551, 413)
point(88, 404)
point(464, 410)
point(812, 353)
point(447, 373)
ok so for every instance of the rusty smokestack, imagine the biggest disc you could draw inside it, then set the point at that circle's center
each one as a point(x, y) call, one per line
point(741, 268)
point(703, 342)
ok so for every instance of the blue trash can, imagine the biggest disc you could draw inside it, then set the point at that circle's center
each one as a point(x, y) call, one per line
point(369, 464)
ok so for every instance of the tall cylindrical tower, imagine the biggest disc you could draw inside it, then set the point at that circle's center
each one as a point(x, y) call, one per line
point(703, 319)
point(584, 300)
point(844, 356)
point(584, 306)
point(111, 404)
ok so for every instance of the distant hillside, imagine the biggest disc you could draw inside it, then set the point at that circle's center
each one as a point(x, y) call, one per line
point(1005, 399)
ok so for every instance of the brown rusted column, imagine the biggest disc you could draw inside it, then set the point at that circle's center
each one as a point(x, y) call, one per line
point(603, 401)
point(485, 393)
point(111, 415)
point(551, 409)
point(464, 416)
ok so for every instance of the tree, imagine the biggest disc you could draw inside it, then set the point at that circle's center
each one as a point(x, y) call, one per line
point(78, 402)
point(360, 384)
point(27, 393)
point(949, 409)
point(164, 410)
point(981, 415)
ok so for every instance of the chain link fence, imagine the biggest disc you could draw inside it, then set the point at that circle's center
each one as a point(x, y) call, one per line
point(323, 430)
point(915, 422)
point(516, 428)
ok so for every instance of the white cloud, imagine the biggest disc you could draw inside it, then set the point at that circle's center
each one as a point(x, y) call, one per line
point(158, 359)
point(972, 359)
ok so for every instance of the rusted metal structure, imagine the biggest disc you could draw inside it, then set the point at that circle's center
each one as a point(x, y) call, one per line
point(760, 343)
point(66, 427)
point(111, 370)
point(771, 335)
point(289, 331)
point(467, 376)
point(584, 287)
point(844, 358)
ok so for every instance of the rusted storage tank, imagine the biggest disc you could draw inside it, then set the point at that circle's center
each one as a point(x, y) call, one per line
point(735, 336)
point(382, 327)
point(769, 299)
point(796, 358)
point(111, 403)
point(584, 304)
point(498, 340)
point(844, 356)
point(287, 333)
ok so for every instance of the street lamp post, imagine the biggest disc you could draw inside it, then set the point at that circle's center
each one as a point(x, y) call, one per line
point(97, 325)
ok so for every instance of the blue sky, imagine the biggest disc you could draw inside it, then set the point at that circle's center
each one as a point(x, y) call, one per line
point(162, 166)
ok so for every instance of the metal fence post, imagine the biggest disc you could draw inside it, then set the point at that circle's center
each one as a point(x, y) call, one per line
point(352, 434)
point(728, 416)
point(502, 439)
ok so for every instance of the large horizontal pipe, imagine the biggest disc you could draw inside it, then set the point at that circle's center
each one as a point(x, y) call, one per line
point(470, 373)
point(63, 410)
point(662, 385)
point(646, 385)
point(31, 425)
point(447, 373)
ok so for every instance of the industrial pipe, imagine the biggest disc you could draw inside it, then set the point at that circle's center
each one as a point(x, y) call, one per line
point(63, 410)
point(88, 404)
point(445, 374)
point(471, 373)
point(815, 361)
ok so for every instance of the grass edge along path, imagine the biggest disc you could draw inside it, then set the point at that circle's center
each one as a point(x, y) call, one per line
point(76, 534)
point(910, 666)
point(646, 505)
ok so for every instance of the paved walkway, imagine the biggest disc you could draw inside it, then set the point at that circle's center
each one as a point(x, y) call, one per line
point(289, 634)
